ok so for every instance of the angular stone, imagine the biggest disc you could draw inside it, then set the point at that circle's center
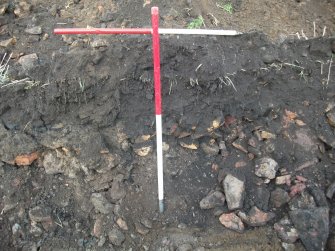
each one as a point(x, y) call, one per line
point(3, 9)
point(279, 197)
point(99, 43)
point(8, 42)
point(331, 191)
point(28, 62)
point(285, 179)
point(101, 204)
point(234, 190)
point(122, 224)
point(266, 168)
point(39, 214)
point(36, 30)
point(331, 117)
point(232, 221)
point(302, 201)
point(213, 199)
point(261, 198)
point(117, 190)
point(211, 148)
point(285, 231)
point(116, 237)
point(313, 227)
point(256, 217)
point(141, 229)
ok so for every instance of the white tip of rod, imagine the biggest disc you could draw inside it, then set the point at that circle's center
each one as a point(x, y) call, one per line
point(199, 32)
point(161, 206)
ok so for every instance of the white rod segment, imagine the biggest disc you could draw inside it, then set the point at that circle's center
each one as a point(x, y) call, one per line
point(199, 32)
point(159, 139)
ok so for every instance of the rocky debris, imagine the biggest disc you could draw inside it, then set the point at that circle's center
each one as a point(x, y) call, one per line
point(26, 159)
point(185, 247)
point(232, 221)
point(122, 224)
point(98, 43)
point(223, 149)
point(266, 135)
point(14, 144)
point(28, 62)
point(331, 117)
point(211, 148)
point(101, 204)
point(302, 201)
point(266, 168)
point(240, 145)
point(97, 227)
point(279, 197)
point(235, 191)
point(318, 196)
point(143, 149)
point(189, 143)
point(285, 231)
point(141, 229)
point(3, 9)
point(22, 9)
point(146, 222)
point(36, 30)
point(213, 199)
point(330, 191)
point(39, 214)
point(117, 190)
point(305, 138)
point(297, 189)
point(55, 162)
point(116, 237)
point(288, 246)
point(8, 42)
point(313, 226)
point(285, 179)
point(261, 197)
point(256, 217)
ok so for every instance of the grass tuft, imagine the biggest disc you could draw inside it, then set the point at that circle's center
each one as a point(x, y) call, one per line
point(196, 23)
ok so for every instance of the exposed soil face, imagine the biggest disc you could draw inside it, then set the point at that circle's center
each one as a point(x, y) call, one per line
point(248, 129)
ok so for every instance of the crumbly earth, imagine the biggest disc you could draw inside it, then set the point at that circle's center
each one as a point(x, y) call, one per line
point(77, 131)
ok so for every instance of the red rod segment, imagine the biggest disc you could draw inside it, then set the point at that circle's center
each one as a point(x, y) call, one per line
point(156, 55)
point(73, 31)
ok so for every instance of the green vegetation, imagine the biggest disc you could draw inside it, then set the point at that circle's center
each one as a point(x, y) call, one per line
point(228, 7)
point(196, 23)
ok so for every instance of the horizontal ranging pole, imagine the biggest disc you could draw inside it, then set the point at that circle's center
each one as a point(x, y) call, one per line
point(134, 31)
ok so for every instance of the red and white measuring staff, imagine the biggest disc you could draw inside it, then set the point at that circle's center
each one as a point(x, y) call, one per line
point(154, 31)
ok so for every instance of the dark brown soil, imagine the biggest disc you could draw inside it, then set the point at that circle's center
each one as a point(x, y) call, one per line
point(90, 109)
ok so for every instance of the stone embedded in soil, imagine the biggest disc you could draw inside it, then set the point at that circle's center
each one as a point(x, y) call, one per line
point(141, 229)
point(15, 144)
point(313, 227)
point(185, 247)
point(279, 197)
point(39, 214)
point(3, 8)
point(302, 201)
point(331, 191)
point(285, 231)
point(26, 159)
point(256, 217)
point(213, 199)
point(232, 221)
point(8, 42)
point(116, 237)
point(143, 151)
point(235, 191)
point(101, 204)
point(98, 227)
point(28, 62)
point(117, 190)
point(266, 168)
point(288, 246)
point(211, 148)
point(122, 224)
point(285, 179)
point(36, 30)
point(331, 117)
point(261, 197)
point(99, 43)
point(318, 196)
point(146, 222)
